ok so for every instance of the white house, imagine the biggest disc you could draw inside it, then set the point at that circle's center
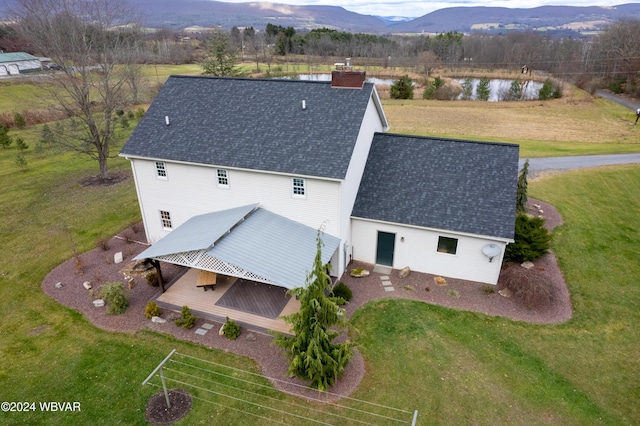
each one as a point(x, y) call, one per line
point(285, 158)
point(18, 62)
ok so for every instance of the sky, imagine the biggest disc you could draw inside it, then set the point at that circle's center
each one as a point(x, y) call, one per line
point(414, 9)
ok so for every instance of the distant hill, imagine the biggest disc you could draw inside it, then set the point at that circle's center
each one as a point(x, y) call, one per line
point(565, 20)
point(501, 19)
point(185, 13)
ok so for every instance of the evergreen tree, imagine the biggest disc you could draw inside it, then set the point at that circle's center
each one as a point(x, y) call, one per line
point(531, 240)
point(5, 139)
point(313, 356)
point(221, 57)
point(402, 88)
point(467, 89)
point(546, 91)
point(515, 91)
point(483, 91)
point(521, 194)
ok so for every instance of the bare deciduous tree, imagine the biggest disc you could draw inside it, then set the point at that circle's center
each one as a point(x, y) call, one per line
point(94, 42)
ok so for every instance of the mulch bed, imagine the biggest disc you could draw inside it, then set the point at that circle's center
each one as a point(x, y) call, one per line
point(98, 268)
point(157, 412)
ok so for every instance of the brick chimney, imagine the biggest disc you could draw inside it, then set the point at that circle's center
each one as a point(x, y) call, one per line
point(345, 77)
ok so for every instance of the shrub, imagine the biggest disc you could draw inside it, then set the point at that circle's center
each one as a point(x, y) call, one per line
point(546, 91)
point(231, 329)
point(187, 319)
point(432, 88)
point(341, 290)
point(532, 240)
point(488, 289)
point(19, 120)
point(152, 310)
point(21, 144)
point(103, 243)
point(139, 113)
point(21, 162)
point(153, 279)
point(5, 139)
point(530, 287)
point(113, 295)
point(402, 88)
point(550, 90)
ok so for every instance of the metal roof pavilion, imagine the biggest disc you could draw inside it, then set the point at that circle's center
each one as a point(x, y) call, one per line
point(247, 242)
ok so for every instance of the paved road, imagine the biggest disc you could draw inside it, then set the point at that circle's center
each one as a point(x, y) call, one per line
point(622, 101)
point(585, 161)
point(577, 162)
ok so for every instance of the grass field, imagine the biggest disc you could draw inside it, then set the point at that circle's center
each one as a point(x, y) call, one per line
point(453, 367)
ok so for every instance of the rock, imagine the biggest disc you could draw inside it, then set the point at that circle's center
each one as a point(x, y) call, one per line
point(363, 273)
point(221, 331)
point(117, 258)
point(98, 303)
point(87, 285)
point(251, 337)
point(540, 211)
point(404, 272)
point(537, 206)
point(505, 292)
point(158, 320)
point(59, 285)
point(527, 265)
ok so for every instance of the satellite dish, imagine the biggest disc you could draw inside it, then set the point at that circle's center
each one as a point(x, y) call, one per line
point(491, 251)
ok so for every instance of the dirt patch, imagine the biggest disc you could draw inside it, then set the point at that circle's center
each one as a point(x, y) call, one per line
point(158, 413)
point(113, 179)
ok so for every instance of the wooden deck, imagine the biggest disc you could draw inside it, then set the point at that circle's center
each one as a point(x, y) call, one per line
point(183, 292)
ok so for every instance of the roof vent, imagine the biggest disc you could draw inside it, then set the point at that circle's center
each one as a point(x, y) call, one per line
point(166, 120)
point(304, 104)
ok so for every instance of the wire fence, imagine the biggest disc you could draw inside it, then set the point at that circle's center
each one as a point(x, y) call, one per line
point(245, 396)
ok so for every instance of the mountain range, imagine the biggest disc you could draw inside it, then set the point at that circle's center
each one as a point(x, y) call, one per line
point(566, 20)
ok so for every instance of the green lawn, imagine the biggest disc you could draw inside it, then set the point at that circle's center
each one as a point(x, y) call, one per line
point(453, 367)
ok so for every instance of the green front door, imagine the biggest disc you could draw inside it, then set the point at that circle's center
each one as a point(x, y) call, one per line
point(384, 252)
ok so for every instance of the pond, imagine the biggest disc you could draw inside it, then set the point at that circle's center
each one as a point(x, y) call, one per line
point(500, 87)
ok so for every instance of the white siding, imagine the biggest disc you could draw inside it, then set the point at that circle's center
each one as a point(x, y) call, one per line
point(190, 190)
point(371, 123)
point(419, 251)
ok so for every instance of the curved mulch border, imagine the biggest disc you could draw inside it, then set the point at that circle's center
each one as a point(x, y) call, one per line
point(98, 268)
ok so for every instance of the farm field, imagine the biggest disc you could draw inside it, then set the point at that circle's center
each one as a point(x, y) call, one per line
point(454, 367)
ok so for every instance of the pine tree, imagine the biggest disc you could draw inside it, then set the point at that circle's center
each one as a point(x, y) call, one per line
point(313, 355)
point(483, 90)
point(521, 194)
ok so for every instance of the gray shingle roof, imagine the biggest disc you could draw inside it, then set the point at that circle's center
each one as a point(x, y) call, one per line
point(456, 185)
point(253, 124)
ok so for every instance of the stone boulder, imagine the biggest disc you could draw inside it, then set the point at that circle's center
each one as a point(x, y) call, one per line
point(404, 272)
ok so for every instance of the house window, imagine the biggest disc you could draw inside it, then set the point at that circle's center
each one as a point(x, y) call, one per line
point(447, 245)
point(165, 217)
point(223, 178)
point(161, 170)
point(298, 188)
